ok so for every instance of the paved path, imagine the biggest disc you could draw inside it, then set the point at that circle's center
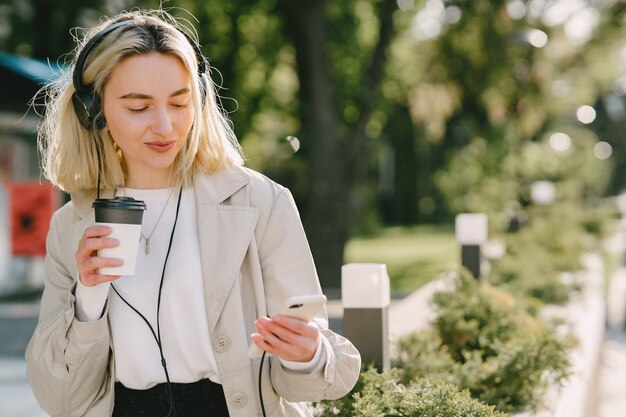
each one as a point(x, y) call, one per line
point(610, 398)
point(16, 399)
point(17, 322)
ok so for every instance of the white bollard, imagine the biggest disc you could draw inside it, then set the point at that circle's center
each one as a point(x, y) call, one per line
point(471, 231)
point(365, 295)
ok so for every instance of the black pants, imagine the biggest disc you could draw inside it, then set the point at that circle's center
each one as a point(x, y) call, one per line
point(198, 399)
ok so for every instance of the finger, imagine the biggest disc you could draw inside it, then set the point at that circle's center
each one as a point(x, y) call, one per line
point(97, 231)
point(299, 349)
point(263, 345)
point(268, 335)
point(258, 340)
point(89, 247)
point(97, 262)
point(284, 333)
point(296, 325)
point(289, 346)
point(94, 232)
point(96, 279)
point(93, 244)
point(89, 273)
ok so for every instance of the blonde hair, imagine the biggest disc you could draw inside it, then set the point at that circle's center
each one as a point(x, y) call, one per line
point(68, 150)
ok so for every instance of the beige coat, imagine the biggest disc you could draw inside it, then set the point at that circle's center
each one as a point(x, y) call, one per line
point(254, 255)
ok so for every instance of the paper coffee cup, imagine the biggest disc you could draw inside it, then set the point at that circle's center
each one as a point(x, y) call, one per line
point(124, 216)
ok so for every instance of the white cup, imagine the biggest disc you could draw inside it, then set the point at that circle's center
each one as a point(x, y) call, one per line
point(124, 215)
point(129, 236)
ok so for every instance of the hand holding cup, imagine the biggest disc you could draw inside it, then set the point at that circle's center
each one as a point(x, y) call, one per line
point(108, 250)
point(95, 238)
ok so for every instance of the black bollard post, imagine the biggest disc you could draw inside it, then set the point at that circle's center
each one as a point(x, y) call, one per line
point(471, 232)
point(365, 296)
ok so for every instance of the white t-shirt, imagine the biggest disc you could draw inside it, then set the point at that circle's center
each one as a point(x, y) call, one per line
point(185, 337)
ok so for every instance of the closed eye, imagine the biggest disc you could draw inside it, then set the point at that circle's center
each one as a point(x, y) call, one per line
point(137, 110)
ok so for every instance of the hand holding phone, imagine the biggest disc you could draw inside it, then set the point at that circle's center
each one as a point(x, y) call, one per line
point(301, 307)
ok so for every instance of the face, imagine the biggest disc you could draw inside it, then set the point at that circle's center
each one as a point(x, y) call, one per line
point(149, 112)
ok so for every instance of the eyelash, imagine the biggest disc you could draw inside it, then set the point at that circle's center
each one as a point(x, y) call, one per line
point(178, 106)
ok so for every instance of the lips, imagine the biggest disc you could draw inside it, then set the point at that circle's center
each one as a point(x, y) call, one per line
point(160, 146)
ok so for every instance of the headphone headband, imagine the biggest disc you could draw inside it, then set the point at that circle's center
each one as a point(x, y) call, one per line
point(88, 104)
point(77, 77)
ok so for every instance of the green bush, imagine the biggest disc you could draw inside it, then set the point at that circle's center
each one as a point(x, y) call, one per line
point(552, 243)
point(423, 354)
point(494, 177)
point(484, 340)
point(382, 395)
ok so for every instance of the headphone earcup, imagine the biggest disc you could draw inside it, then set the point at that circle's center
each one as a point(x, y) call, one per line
point(88, 106)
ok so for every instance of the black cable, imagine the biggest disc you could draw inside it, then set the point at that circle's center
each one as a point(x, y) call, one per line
point(260, 379)
point(99, 163)
point(157, 334)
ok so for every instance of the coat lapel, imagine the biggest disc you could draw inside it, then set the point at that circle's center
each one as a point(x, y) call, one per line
point(225, 228)
point(225, 231)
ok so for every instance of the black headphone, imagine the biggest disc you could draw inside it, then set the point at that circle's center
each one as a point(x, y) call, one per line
point(88, 104)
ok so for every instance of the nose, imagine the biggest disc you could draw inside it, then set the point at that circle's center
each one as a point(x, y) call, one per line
point(162, 122)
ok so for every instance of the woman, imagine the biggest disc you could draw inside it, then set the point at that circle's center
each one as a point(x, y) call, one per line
point(222, 248)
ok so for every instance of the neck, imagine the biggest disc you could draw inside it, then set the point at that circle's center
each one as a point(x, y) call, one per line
point(150, 182)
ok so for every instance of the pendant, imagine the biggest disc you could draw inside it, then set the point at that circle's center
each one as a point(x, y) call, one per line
point(147, 246)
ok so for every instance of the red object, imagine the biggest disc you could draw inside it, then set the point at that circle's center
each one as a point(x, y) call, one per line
point(32, 204)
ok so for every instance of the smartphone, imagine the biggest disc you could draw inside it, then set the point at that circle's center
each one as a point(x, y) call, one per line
point(303, 307)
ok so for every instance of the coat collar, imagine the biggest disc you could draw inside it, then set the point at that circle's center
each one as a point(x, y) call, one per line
point(225, 232)
point(218, 187)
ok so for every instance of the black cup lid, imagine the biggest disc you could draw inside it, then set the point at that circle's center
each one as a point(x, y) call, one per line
point(127, 203)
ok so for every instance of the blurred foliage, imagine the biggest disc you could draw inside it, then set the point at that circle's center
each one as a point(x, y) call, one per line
point(496, 178)
point(381, 395)
point(449, 109)
point(485, 340)
point(493, 77)
point(543, 257)
point(41, 28)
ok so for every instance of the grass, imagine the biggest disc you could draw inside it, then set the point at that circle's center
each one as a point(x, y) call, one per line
point(413, 255)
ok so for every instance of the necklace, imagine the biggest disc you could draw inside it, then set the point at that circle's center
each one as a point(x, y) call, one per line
point(147, 239)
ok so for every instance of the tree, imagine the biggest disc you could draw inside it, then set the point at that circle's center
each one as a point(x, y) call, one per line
point(335, 151)
point(40, 28)
point(502, 74)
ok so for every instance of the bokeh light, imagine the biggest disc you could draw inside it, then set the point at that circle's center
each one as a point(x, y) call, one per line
point(586, 114)
point(603, 150)
point(560, 141)
point(405, 5)
point(516, 9)
point(537, 38)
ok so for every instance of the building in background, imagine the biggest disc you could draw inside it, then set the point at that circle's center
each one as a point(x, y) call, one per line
point(26, 200)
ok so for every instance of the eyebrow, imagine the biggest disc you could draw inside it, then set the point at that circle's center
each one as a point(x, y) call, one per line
point(141, 96)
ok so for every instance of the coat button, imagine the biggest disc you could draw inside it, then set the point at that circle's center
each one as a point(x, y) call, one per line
point(221, 344)
point(238, 400)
